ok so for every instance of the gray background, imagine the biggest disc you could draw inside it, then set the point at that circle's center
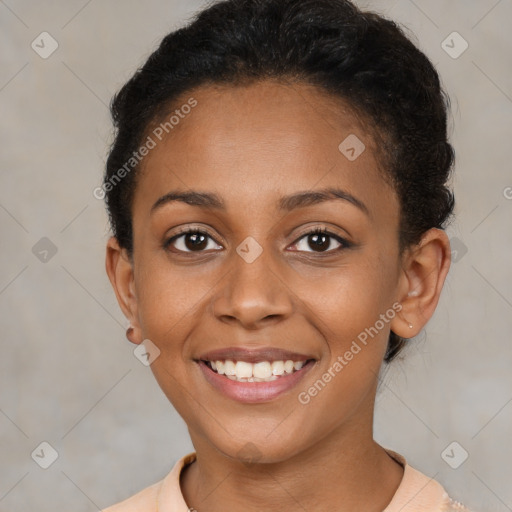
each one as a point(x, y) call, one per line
point(67, 374)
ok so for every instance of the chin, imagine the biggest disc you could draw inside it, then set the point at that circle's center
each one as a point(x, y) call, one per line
point(256, 448)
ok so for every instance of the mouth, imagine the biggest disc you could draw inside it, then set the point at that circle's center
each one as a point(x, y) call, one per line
point(262, 371)
point(254, 375)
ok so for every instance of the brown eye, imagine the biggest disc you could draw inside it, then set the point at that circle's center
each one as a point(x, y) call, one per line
point(320, 241)
point(191, 241)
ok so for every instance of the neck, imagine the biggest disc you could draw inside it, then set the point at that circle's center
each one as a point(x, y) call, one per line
point(346, 471)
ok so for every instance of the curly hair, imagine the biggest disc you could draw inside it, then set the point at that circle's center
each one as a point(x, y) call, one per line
point(359, 57)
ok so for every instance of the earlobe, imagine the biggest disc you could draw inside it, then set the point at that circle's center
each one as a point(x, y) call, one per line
point(119, 269)
point(131, 336)
point(423, 275)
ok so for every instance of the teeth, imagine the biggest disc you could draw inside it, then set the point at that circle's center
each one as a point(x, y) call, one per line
point(288, 366)
point(277, 368)
point(243, 370)
point(229, 368)
point(263, 371)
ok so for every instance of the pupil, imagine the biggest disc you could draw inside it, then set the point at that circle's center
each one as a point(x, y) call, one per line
point(316, 243)
point(197, 243)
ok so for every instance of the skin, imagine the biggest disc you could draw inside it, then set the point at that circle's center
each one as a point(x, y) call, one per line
point(252, 145)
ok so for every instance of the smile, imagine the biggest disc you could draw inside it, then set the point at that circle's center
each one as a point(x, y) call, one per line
point(263, 371)
point(254, 375)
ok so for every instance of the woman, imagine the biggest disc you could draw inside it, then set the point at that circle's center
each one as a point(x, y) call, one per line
point(277, 195)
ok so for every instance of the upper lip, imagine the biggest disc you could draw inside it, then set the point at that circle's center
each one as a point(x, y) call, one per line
point(253, 355)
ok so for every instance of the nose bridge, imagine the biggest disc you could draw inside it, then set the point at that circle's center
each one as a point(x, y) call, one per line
point(252, 291)
point(252, 265)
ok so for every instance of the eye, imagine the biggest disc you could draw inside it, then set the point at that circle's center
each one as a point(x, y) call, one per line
point(194, 240)
point(320, 240)
point(191, 240)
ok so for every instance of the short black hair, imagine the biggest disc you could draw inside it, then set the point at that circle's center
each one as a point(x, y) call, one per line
point(360, 57)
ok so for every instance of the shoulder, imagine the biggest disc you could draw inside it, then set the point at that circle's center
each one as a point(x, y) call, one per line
point(419, 493)
point(164, 495)
point(143, 501)
point(450, 505)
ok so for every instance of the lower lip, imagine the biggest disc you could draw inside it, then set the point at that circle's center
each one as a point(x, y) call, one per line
point(254, 392)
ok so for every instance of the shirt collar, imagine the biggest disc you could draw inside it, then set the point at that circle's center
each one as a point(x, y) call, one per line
point(416, 492)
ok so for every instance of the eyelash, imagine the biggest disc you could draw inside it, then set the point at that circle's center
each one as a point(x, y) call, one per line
point(317, 231)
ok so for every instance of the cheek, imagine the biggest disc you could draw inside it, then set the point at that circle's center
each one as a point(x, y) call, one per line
point(169, 305)
point(346, 301)
point(352, 310)
point(356, 341)
point(168, 300)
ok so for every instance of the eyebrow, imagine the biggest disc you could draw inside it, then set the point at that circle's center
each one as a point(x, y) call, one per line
point(286, 203)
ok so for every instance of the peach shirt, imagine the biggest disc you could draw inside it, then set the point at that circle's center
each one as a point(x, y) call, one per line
point(416, 493)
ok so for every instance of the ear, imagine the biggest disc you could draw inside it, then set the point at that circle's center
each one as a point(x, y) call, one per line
point(119, 267)
point(424, 270)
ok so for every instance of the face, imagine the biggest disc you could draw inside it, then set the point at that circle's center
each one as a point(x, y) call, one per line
point(253, 283)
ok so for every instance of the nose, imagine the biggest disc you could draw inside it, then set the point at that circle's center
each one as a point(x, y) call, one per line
point(253, 294)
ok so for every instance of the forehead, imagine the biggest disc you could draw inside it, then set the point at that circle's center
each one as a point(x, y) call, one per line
point(260, 141)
